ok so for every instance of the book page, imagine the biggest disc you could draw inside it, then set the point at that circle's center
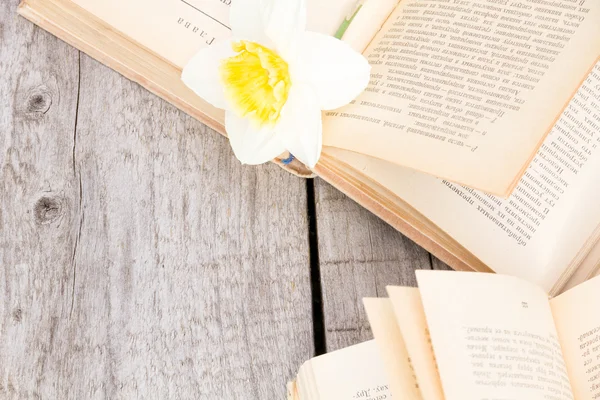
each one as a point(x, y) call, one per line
point(494, 337)
point(410, 316)
point(467, 90)
point(542, 228)
point(353, 373)
point(578, 323)
point(173, 29)
point(177, 29)
point(368, 22)
point(398, 365)
point(589, 267)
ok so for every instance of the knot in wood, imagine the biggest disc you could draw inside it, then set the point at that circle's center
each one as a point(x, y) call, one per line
point(47, 209)
point(17, 315)
point(39, 101)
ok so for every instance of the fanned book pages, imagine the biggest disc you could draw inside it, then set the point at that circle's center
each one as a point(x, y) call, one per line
point(357, 372)
point(477, 136)
point(492, 337)
point(468, 336)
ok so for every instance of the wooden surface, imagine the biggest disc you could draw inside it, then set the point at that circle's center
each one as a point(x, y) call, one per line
point(138, 259)
point(359, 257)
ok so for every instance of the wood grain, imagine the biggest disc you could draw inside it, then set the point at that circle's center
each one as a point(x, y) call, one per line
point(38, 205)
point(359, 256)
point(138, 258)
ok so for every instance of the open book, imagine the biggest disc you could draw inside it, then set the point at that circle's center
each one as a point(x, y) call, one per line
point(357, 372)
point(501, 96)
point(468, 336)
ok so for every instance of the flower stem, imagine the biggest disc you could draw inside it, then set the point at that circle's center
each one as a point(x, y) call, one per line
point(346, 23)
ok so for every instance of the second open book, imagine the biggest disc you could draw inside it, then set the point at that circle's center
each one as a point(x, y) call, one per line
point(468, 336)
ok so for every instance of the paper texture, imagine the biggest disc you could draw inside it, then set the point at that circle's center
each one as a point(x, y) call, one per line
point(177, 29)
point(578, 323)
point(540, 230)
point(410, 317)
point(348, 374)
point(494, 337)
point(468, 91)
point(399, 369)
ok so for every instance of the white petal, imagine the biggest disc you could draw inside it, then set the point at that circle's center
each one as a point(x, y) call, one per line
point(284, 21)
point(250, 145)
point(201, 74)
point(246, 21)
point(300, 126)
point(332, 68)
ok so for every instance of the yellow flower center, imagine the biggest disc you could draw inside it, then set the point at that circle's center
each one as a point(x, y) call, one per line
point(257, 82)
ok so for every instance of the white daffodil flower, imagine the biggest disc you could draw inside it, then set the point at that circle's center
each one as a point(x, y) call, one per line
point(274, 78)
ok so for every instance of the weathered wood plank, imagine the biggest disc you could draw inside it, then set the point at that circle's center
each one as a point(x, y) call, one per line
point(204, 263)
point(360, 255)
point(38, 205)
point(139, 259)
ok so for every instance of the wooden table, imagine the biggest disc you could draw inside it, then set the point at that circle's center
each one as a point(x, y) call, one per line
point(139, 259)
